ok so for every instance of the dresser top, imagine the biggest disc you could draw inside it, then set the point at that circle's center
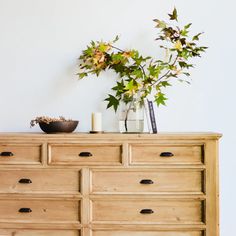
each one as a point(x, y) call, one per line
point(110, 135)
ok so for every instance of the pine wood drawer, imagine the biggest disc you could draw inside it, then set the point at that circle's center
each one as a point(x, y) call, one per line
point(39, 181)
point(87, 154)
point(22, 232)
point(156, 181)
point(150, 154)
point(147, 233)
point(13, 154)
point(148, 211)
point(31, 210)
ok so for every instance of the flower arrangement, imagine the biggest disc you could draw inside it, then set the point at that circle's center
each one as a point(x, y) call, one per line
point(144, 75)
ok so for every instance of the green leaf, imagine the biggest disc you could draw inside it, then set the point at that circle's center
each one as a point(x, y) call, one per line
point(119, 69)
point(130, 85)
point(164, 84)
point(196, 37)
point(158, 87)
point(160, 98)
point(112, 102)
point(138, 73)
point(93, 43)
point(184, 32)
point(116, 57)
point(161, 38)
point(186, 73)
point(183, 64)
point(188, 26)
point(154, 70)
point(119, 88)
point(183, 81)
point(116, 39)
point(174, 15)
point(202, 49)
point(160, 24)
point(127, 98)
point(88, 51)
point(102, 47)
point(82, 75)
point(119, 85)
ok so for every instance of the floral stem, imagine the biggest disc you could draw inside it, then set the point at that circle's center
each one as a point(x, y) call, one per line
point(166, 74)
point(117, 48)
point(126, 117)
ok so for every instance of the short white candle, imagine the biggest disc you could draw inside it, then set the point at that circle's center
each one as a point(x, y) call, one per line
point(97, 122)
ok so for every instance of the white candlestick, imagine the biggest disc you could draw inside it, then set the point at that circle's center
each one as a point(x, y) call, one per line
point(97, 122)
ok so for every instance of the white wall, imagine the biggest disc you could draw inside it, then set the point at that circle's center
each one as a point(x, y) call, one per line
point(41, 39)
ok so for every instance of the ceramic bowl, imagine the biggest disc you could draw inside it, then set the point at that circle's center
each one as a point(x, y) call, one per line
point(59, 126)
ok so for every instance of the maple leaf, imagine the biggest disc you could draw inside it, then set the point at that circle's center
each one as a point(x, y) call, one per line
point(112, 102)
point(174, 15)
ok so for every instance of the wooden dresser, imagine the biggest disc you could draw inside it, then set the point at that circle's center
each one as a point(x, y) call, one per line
point(109, 184)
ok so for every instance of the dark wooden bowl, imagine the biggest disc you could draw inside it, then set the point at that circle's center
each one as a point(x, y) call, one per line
point(59, 126)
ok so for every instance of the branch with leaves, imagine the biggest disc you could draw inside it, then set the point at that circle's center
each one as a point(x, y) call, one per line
point(144, 75)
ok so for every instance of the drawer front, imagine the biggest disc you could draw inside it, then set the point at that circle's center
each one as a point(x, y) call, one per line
point(146, 233)
point(21, 232)
point(104, 154)
point(40, 210)
point(165, 154)
point(11, 154)
point(147, 181)
point(44, 180)
point(156, 211)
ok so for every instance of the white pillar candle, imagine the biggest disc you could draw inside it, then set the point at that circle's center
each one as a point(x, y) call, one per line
point(97, 122)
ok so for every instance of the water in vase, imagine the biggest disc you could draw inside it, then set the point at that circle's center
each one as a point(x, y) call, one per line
point(131, 126)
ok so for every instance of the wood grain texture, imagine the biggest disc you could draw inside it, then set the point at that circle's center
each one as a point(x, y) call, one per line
point(101, 195)
point(151, 154)
point(169, 181)
point(165, 211)
point(17, 232)
point(12, 137)
point(27, 154)
point(212, 188)
point(100, 154)
point(41, 181)
point(42, 211)
point(146, 233)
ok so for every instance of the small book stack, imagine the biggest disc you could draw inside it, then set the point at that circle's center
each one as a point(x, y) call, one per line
point(150, 115)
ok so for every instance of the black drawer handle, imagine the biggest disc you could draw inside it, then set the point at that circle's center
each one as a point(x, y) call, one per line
point(146, 211)
point(25, 181)
point(6, 154)
point(166, 154)
point(146, 181)
point(85, 154)
point(25, 210)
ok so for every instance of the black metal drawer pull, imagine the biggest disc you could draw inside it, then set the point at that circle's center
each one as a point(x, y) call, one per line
point(6, 154)
point(166, 154)
point(146, 211)
point(85, 154)
point(146, 181)
point(25, 210)
point(25, 181)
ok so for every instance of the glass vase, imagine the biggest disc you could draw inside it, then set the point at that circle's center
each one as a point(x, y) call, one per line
point(131, 115)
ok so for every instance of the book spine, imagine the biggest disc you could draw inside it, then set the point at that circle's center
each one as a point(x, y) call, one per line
point(152, 117)
point(147, 116)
